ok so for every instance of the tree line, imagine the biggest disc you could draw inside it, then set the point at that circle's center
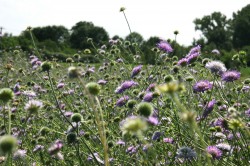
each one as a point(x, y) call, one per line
point(218, 32)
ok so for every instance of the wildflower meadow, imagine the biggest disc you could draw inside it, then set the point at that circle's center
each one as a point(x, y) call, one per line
point(188, 110)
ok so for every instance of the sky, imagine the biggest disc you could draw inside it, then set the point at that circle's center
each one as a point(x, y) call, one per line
point(147, 17)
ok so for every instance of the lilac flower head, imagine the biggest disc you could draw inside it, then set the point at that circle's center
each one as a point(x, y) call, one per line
point(230, 76)
point(122, 101)
point(16, 87)
point(247, 113)
point(183, 62)
point(102, 82)
point(192, 57)
point(156, 135)
point(151, 87)
point(202, 86)
point(224, 146)
point(148, 97)
point(216, 67)
point(209, 108)
point(19, 154)
point(194, 50)
point(60, 85)
point(153, 120)
point(136, 70)
point(214, 152)
point(165, 46)
point(125, 85)
point(168, 140)
point(55, 148)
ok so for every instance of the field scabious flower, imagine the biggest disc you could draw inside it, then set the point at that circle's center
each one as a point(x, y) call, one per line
point(122, 101)
point(55, 147)
point(136, 70)
point(33, 106)
point(202, 86)
point(216, 67)
point(230, 76)
point(214, 152)
point(125, 85)
point(209, 108)
point(148, 97)
point(165, 46)
point(183, 62)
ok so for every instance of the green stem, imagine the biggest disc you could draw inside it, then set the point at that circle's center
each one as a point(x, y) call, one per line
point(127, 21)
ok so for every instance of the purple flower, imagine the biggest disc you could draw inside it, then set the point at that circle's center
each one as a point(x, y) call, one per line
point(120, 142)
point(165, 46)
point(156, 136)
point(60, 85)
point(247, 113)
point(192, 57)
point(195, 49)
point(151, 87)
point(19, 154)
point(183, 62)
point(102, 82)
point(168, 140)
point(202, 86)
point(209, 108)
point(17, 87)
point(132, 149)
point(38, 148)
point(230, 76)
point(136, 70)
point(153, 120)
point(122, 101)
point(148, 97)
point(125, 85)
point(55, 148)
point(214, 152)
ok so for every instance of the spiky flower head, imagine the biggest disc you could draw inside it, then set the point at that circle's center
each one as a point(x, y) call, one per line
point(145, 109)
point(93, 88)
point(6, 94)
point(46, 66)
point(122, 9)
point(165, 46)
point(230, 76)
point(76, 117)
point(186, 153)
point(73, 72)
point(19, 154)
point(202, 86)
point(215, 152)
point(216, 67)
point(33, 106)
point(7, 144)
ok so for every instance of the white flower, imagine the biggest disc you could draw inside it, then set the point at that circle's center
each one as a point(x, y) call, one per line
point(216, 67)
point(33, 106)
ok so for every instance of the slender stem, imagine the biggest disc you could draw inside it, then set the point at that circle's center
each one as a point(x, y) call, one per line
point(9, 115)
point(127, 21)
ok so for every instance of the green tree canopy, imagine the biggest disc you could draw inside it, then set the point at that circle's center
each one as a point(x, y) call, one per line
point(216, 28)
point(84, 30)
point(241, 27)
point(135, 37)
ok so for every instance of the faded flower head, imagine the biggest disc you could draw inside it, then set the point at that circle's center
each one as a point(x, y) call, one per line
point(133, 125)
point(165, 46)
point(230, 76)
point(55, 148)
point(186, 153)
point(216, 67)
point(19, 154)
point(33, 106)
point(202, 86)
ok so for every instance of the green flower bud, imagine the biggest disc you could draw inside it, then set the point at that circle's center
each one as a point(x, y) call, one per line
point(93, 88)
point(46, 66)
point(131, 103)
point(8, 144)
point(6, 94)
point(73, 72)
point(71, 137)
point(145, 109)
point(168, 78)
point(76, 117)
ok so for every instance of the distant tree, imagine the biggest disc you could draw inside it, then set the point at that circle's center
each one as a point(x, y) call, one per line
point(216, 28)
point(241, 27)
point(135, 37)
point(147, 46)
point(53, 33)
point(84, 30)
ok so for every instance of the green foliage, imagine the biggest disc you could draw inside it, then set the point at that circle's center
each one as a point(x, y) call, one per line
point(216, 29)
point(241, 27)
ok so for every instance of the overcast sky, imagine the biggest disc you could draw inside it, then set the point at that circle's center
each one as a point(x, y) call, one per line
point(147, 17)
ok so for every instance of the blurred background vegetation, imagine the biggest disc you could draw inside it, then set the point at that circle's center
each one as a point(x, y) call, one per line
point(229, 36)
